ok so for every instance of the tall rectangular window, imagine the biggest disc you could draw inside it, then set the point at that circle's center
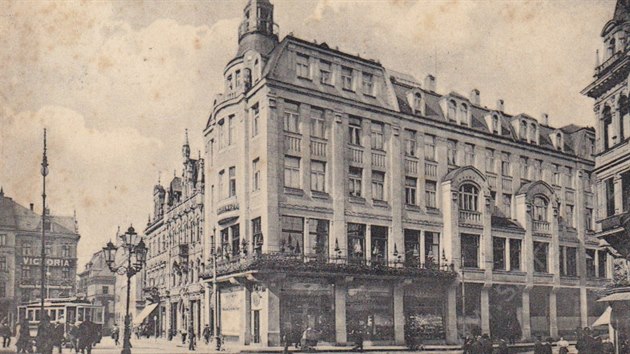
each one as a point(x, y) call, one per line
point(429, 147)
point(325, 72)
point(291, 117)
point(590, 263)
point(431, 247)
point(27, 248)
point(368, 84)
point(355, 176)
point(610, 197)
point(505, 164)
point(346, 78)
point(490, 161)
point(3, 290)
point(430, 188)
point(556, 174)
point(318, 232)
point(236, 240)
point(588, 219)
point(469, 149)
point(410, 190)
point(568, 176)
point(541, 255)
point(356, 242)
point(65, 273)
point(256, 174)
point(524, 164)
point(255, 120)
point(257, 234)
point(379, 243)
point(507, 204)
point(231, 127)
point(537, 169)
point(303, 69)
point(221, 185)
point(318, 176)
point(3, 239)
point(602, 256)
point(318, 126)
point(410, 142)
point(451, 153)
point(221, 133)
point(515, 254)
point(498, 253)
point(378, 185)
point(3, 263)
point(292, 172)
point(568, 215)
point(377, 135)
point(232, 186)
point(292, 239)
point(65, 251)
point(26, 272)
point(568, 261)
point(470, 250)
point(354, 131)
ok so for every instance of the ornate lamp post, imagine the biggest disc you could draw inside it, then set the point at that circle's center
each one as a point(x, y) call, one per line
point(44, 171)
point(215, 290)
point(136, 257)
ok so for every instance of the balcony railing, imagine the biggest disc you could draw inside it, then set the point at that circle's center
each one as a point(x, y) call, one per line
point(292, 142)
point(378, 159)
point(411, 166)
point(430, 169)
point(469, 217)
point(318, 148)
point(262, 25)
point(356, 154)
point(319, 263)
point(541, 227)
point(608, 62)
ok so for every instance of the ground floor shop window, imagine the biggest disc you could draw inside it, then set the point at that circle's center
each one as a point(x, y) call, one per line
point(379, 244)
point(470, 250)
point(424, 318)
point(412, 247)
point(370, 313)
point(300, 311)
point(292, 240)
point(506, 308)
point(356, 242)
point(318, 230)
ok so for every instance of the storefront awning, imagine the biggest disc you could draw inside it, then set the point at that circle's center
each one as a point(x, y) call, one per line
point(144, 314)
point(624, 296)
point(604, 319)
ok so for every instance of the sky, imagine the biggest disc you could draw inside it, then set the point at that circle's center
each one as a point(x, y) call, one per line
point(117, 83)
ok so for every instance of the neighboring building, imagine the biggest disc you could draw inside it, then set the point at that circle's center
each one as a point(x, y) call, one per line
point(175, 260)
point(96, 284)
point(20, 255)
point(345, 196)
point(612, 109)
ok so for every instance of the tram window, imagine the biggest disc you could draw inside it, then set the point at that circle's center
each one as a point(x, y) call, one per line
point(60, 314)
point(21, 313)
point(72, 314)
point(81, 314)
point(37, 315)
point(31, 315)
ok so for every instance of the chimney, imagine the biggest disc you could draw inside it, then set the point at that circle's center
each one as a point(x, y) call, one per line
point(500, 105)
point(32, 206)
point(545, 119)
point(475, 97)
point(429, 83)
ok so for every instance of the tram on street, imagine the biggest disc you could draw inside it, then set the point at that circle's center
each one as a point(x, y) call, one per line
point(67, 311)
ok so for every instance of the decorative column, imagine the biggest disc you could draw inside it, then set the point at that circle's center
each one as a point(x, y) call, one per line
point(526, 325)
point(399, 314)
point(340, 290)
point(451, 314)
point(273, 317)
point(485, 308)
point(246, 316)
point(583, 308)
point(553, 312)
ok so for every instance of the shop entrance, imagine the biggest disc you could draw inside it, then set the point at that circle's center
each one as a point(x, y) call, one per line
point(300, 311)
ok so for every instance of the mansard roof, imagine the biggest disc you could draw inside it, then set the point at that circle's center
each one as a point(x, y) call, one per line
point(15, 216)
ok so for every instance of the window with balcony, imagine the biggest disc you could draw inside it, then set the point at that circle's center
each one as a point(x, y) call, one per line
point(378, 185)
point(490, 161)
point(355, 175)
point(470, 250)
point(232, 182)
point(469, 150)
point(346, 78)
point(318, 123)
point(368, 84)
point(468, 197)
point(430, 189)
point(410, 142)
point(256, 175)
point(515, 254)
point(292, 172)
point(540, 209)
point(354, 131)
point(318, 176)
point(541, 257)
point(356, 242)
point(325, 72)
point(236, 240)
point(377, 133)
point(568, 261)
point(410, 190)
point(451, 111)
point(610, 197)
point(379, 243)
point(303, 69)
point(255, 119)
point(498, 253)
point(318, 231)
point(505, 164)
point(451, 153)
point(291, 117)
point(292, 239)
point(429, 147)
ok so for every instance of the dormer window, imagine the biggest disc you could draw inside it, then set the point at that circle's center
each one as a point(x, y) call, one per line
point(452, 110)
point(463, 114)
point(325, 73)
point(522, 133)
point(559, 141)
point(496, 127)
point(302, 66)
point(417, 102)
point(532, 134)
point(368, 84)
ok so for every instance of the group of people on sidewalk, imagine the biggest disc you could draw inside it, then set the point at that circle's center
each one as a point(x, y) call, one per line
point(50, 336)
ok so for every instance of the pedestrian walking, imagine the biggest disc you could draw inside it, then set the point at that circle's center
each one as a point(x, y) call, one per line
point(73, 336)
point(116, 334)
point(563, 346)
point(538, 346)
point(45, 336)
point(87, 333)
point(206, 334)
point(58, 335)
point(184, 334)
point(23, 340)
point(5, 332)
point(191, 338)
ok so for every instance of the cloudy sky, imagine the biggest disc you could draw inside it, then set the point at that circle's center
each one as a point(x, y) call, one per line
point(116, 83)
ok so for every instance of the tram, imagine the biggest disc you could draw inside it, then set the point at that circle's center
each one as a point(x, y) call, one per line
point(63, 310)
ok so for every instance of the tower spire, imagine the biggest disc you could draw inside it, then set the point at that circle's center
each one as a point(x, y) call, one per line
point(257, 31)
point(186, 147)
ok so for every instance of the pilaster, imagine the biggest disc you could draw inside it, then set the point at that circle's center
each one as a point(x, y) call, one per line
point(340, 312)
point(399, 315)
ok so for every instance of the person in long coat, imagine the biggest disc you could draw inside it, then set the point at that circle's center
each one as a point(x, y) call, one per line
point(191, 338)
point(23, 340)
point(58, 335)
point(86, 336)
point(45, 336)
point(538, 347)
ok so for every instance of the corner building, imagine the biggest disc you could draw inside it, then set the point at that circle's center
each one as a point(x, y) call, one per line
point(345, 197)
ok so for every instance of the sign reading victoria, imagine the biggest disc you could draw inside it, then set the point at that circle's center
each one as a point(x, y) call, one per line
point(50, 262)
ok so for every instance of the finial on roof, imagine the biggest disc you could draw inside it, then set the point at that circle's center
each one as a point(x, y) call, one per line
point(186, 136)
point(159, 177)
point(1, 191)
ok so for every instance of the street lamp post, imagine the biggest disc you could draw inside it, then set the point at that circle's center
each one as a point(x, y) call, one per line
point(44, 172)
point(134, 249)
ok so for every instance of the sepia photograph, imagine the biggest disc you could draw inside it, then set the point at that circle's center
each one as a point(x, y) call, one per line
point(332, 176)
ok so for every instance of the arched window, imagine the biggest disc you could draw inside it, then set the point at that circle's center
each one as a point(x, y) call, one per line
point(463, 114)
point(417, 102)
point(540, 208)
point(468, 197)
point(452, 110)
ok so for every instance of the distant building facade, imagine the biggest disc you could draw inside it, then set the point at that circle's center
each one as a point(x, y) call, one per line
point(347, 197)
point(175, 238)
point(20, 255)
point(137, 301)
point(97, 284)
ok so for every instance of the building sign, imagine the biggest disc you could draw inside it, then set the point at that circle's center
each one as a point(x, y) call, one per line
point(230, 312)
point(50, 262)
